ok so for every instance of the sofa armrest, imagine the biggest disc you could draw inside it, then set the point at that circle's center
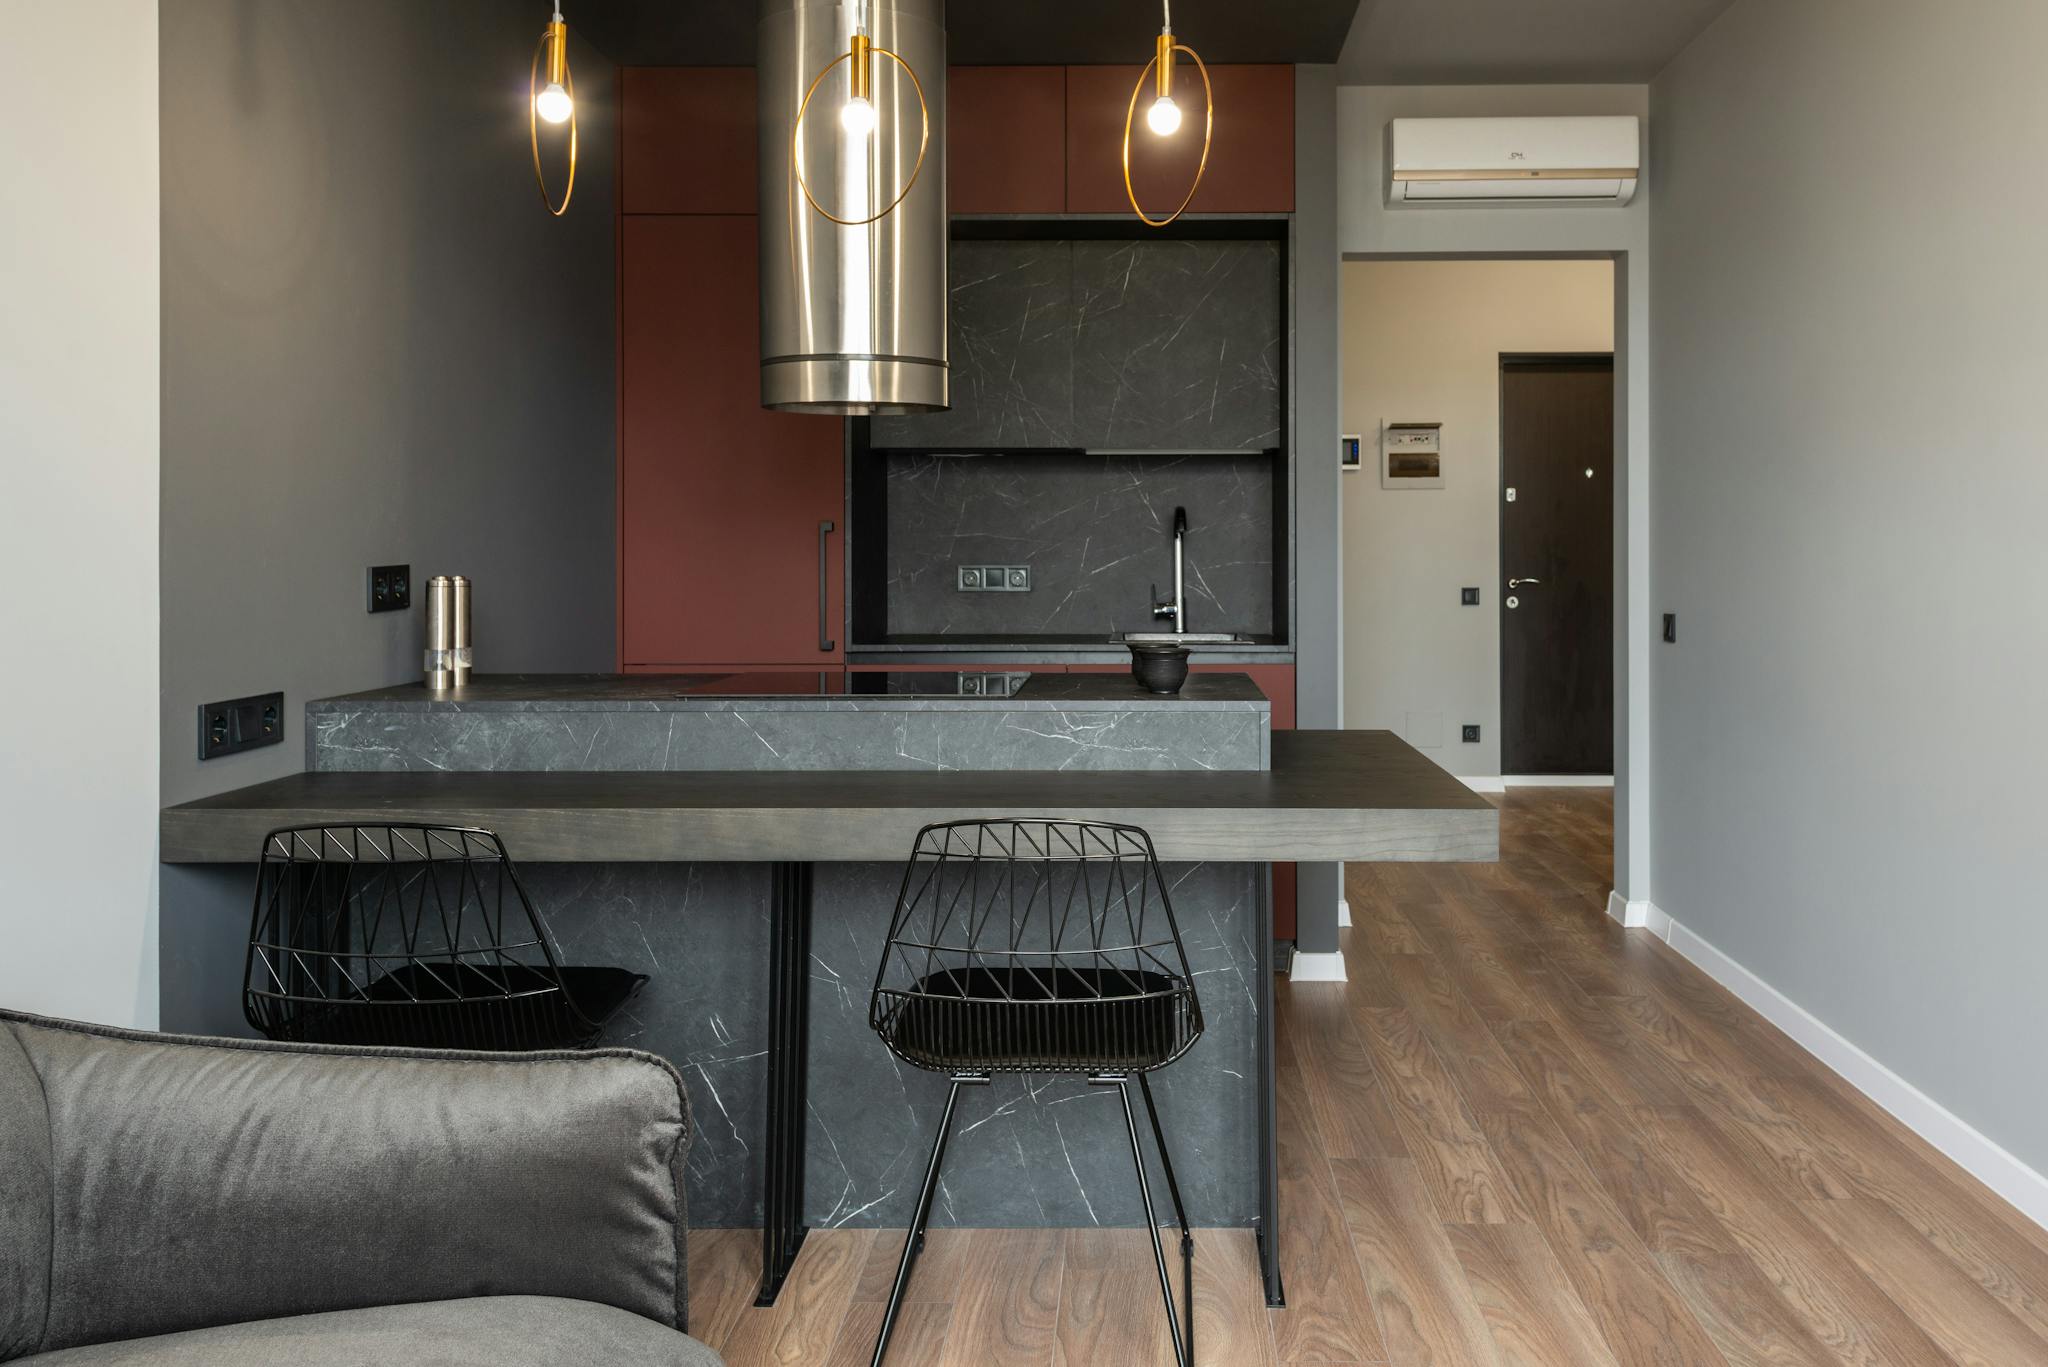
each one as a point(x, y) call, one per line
point(200, 1182)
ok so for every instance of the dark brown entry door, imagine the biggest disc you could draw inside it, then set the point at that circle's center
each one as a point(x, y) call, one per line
point(1557, 565)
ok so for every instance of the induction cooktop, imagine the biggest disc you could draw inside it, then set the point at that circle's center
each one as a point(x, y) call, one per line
point(936, 683)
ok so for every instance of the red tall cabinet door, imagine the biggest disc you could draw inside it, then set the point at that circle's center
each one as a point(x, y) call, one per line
point(720, 501)
point(1251, 161)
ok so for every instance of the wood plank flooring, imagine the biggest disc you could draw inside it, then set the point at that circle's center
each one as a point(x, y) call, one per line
point(1520, 1136)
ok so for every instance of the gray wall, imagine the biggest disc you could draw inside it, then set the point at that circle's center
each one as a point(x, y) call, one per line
point(78, 513)
point(377, 348)
point(1850, 334)
point(1318, 510)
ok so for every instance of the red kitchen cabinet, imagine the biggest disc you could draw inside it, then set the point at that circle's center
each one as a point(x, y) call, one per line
point(687, 140)
point(720, 501)
point(1006, 139)
point(1251, 162)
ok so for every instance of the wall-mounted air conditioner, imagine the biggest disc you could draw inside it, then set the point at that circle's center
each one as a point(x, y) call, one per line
point(1438, 163)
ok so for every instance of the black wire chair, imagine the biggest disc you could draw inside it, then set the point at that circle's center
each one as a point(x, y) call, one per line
point(412, 935)
point(1039, 946)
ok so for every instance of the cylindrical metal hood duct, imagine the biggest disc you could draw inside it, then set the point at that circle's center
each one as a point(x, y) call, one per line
point(853, 317)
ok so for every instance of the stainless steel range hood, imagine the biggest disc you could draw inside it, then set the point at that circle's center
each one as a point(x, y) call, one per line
point(853, 316)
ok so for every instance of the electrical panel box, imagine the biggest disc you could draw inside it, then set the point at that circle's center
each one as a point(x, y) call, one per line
point(1411, 455)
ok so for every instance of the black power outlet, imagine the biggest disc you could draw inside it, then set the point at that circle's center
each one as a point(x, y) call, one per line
point(1468, 598)
point(240, 724)
point(1471, 732)
point(390, 588)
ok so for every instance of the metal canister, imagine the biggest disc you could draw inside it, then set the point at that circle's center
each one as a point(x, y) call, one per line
point(440, 653)
point(459, 611)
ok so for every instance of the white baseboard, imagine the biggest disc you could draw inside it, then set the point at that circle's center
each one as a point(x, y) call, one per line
point(1635, 915)
point(1343, 913)
point(2025, 1189)
point(1316, 968)
point(1500, 783)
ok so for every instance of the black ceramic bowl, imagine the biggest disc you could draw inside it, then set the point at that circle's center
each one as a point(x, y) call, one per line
point(1159, 668)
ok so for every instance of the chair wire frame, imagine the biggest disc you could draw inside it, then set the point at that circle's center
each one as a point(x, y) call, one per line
point(1039, 946)
point(1034, 946)
point(412, 935)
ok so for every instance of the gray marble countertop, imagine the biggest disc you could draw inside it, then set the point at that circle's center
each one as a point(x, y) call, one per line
point(701, 693)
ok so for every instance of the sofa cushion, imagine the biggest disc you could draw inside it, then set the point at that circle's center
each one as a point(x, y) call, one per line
point(194, 1182)
point(25, 1196)
point(487, 1331)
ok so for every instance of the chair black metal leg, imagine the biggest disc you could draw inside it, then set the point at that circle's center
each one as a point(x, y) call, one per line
point(789, 949)
point(1183, 1351)
point(913, 1242)
point(1180, 1212)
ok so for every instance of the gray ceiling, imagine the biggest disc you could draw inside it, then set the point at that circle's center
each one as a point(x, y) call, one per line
point(988, 32)
point(1504, 42)
point(1390, 42)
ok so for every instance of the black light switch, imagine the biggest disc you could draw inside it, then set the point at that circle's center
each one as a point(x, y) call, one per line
point(1468, 598)
point(1671, 626)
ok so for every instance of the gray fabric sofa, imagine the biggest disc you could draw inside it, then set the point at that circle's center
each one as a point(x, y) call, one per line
point(182, 1202)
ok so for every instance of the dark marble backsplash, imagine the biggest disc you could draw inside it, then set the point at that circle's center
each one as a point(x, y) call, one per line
point(1096, 532)
point(1159, 344)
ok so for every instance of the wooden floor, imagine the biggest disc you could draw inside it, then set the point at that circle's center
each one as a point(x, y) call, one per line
point(1518, 1136)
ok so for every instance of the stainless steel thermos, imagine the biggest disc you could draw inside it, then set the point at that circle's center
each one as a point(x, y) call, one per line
point(448, 654)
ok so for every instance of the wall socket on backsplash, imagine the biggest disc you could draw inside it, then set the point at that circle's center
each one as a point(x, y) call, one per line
point(995, 578)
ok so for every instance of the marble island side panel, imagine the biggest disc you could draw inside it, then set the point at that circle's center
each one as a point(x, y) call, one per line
point(1026, 1151)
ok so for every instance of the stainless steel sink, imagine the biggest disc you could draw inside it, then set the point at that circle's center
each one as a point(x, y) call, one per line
point(1180, 638)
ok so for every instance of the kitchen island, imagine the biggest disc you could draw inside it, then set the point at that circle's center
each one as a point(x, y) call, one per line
point(757, 899)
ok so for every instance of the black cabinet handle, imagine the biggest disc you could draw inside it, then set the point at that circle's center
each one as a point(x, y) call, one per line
point(825, 641)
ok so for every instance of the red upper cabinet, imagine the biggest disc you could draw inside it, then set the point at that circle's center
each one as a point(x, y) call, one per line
point(687, 144)
point(720, 500)
point(1006, 144)
point(1251, 163)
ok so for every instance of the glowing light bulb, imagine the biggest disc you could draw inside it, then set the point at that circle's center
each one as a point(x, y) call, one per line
point(553, 104)
point(857, 117)
point(1163, 117)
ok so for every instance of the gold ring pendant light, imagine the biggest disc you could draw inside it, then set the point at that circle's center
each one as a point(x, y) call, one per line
point(555, 102)
point(859, 59)
point(1164, 117)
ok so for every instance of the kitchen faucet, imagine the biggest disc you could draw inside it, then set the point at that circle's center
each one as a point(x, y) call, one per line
point(1177, 608)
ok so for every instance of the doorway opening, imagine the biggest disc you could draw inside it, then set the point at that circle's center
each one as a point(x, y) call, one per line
point(1557, 566)
point(1433, 350)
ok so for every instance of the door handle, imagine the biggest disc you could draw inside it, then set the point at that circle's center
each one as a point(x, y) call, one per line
point(825, 641)
point(1517, 583)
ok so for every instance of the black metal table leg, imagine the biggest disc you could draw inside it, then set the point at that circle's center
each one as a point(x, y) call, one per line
point(789, 952)
point(1269, 1134)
